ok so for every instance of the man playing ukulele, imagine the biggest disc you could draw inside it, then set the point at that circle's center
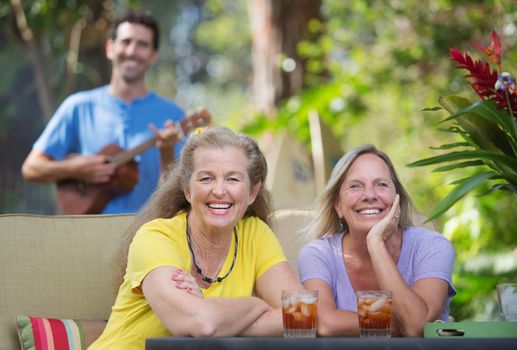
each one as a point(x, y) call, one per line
point(123, 113)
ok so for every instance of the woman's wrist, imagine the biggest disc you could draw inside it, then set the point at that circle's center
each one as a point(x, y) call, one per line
point(374, 243)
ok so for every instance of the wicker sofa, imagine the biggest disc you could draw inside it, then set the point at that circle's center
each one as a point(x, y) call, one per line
point(62, 266)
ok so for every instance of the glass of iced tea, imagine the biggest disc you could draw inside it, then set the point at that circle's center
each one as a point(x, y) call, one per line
point(374, 313)
point(507, 295)
point(299, 313)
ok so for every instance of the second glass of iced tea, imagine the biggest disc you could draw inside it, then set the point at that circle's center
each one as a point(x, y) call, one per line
point(374, 313)
point(299, 313)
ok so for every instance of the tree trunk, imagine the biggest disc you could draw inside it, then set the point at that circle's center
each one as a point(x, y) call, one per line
point(85, 37)
point(37, 60)
point(277, 27)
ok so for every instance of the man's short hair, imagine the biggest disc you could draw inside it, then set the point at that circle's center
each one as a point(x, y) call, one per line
point(140, 17)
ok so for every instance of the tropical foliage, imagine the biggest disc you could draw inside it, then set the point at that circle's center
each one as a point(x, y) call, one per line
point(488, 128)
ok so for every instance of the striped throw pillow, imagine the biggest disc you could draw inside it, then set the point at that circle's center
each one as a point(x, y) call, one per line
point(38, 333)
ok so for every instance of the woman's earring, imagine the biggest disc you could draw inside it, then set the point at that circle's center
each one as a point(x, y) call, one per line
point(340, 226)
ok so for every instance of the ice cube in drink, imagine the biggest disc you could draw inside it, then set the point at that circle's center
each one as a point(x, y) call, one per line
point(374, 313)
point(299, 313)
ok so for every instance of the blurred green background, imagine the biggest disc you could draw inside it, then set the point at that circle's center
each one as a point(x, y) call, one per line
point(370, 67)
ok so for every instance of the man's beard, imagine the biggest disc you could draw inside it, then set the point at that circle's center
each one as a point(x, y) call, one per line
point(133, 76)
point(132, 79)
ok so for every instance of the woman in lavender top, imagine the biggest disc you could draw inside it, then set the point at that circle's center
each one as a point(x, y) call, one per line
point(365, 240)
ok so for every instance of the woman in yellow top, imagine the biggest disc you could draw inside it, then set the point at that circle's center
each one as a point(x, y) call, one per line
point(201, 259)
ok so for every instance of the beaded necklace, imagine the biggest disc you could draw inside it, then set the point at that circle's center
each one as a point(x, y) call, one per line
point(198, 269)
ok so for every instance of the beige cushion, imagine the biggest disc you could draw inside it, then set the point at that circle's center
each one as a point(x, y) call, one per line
point(61, 266)
point(287, 224)
point(56, 266)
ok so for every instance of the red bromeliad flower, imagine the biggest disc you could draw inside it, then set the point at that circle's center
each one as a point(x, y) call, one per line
point(485, 80)
point(494, 50)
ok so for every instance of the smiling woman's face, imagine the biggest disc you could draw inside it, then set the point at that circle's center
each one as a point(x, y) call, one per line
point(219, 190)
point(366, 194)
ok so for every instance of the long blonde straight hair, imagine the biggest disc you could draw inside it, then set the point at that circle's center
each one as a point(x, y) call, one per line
point(326, 220)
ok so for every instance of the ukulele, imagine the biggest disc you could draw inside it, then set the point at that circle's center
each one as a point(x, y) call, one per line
point(78, 197)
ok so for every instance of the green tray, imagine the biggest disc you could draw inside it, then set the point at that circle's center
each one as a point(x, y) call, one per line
point(470, 330)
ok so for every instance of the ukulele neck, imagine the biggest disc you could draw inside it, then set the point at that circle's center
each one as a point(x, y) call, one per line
point(124, 157)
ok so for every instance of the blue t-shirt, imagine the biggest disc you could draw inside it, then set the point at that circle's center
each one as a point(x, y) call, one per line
point(423, 254)
point(88, 121)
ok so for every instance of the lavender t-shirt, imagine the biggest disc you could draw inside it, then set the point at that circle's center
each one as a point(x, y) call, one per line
point(423, 254)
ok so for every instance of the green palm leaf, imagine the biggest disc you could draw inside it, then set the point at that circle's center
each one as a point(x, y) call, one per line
point(488, 127)
point(484, 108)
point(511, 178)
point(491, 132)
point(465, 186)
point(451, 145)
point(432, 109)
point(465, 155)
point(458, 166)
